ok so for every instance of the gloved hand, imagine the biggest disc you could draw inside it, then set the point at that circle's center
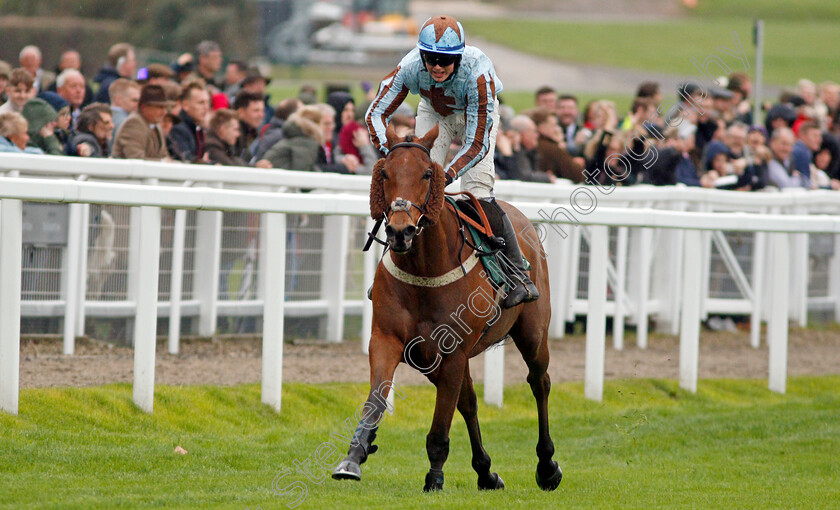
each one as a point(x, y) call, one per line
point(449, 179)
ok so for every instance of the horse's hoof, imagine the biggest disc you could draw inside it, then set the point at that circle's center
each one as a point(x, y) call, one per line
point(491, 482)
point(347, 470)
point(434, 481)
point(549, 483)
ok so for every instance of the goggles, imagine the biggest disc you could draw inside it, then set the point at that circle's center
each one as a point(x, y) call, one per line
point(438, 59)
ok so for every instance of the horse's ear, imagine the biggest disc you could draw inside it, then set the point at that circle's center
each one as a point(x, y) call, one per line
point(429, 140)
point(391, 136)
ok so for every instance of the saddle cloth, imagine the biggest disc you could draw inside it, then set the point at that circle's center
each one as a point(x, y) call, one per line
point(483, 238)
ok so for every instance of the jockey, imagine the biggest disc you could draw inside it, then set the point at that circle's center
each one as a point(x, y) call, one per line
point(458, 86)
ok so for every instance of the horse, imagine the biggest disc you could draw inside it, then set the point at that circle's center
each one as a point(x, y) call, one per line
point(435, 314)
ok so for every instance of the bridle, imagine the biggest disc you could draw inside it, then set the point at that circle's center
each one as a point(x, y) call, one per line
point(402, 205)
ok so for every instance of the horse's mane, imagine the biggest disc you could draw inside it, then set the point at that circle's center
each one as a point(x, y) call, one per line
point(379, 207)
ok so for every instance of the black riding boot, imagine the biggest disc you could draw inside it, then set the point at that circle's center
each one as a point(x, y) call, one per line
point(525, 291)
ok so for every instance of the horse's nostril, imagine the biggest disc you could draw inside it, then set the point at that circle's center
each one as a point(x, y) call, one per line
point(409, 231)
point(389, 231)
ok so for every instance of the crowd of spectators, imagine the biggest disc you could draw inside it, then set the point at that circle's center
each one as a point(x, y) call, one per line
point(195, 111)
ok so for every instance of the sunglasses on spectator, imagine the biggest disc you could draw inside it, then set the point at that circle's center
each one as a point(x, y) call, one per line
point(438, 59)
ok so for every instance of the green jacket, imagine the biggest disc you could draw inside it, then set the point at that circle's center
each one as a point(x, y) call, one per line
point(39, 113)
point(296, 151)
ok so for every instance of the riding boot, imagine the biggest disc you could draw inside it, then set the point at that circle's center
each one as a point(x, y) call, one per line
point(525, 291)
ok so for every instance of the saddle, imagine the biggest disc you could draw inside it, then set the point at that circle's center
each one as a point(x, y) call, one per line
point(482, 221)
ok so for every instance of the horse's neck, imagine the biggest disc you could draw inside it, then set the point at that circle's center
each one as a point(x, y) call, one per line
point(436, 250)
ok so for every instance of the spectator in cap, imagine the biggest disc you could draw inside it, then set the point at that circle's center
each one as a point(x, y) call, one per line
point(257, 83)
point(5, 72)
point(13, 134)
point(121, 63)
point(94, 131)
point(20, 90)
point(31, 60)
point(62, 123)
point(125, 95)
point(41, 118)
point(209, 56)
point(140, 136)
point(71, 59)
point(156, 74)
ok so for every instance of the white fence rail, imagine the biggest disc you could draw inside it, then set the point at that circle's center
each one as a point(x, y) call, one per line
point(643, 265)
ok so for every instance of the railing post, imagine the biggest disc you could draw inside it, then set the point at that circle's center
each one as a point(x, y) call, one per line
point(72, 278)
point(758, 265)
point(207, 260)
point(690, 317)
point(145, 321)
point(334, 272)
point(494, 375)
point(645, 240)
point(557, 250)
point(179, 231)
point(596, 316)
point(619, 290)
point(273, 311)
point(777, 326)
point(81, 289)
point(370, 260)
point(834, 278)
point(11, 245)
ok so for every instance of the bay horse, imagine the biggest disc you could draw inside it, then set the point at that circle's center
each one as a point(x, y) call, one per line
point(436, 323)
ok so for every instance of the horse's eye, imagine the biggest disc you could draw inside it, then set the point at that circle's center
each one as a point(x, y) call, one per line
point(384, 174)
point(427, 175)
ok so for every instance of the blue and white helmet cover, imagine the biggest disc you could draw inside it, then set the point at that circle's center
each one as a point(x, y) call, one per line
point(442, 34)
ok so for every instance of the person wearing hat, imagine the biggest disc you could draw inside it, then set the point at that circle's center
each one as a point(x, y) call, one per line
point(41, 118)
point(256, 82)
point(458, 88)
point(140, 136)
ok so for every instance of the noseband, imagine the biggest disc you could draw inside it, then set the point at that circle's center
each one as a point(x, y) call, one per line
point(402, 205)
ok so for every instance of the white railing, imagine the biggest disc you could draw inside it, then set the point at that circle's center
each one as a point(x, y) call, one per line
point(645, 273)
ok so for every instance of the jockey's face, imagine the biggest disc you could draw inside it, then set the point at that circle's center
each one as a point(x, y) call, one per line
point(439, 65)
point(440, 74)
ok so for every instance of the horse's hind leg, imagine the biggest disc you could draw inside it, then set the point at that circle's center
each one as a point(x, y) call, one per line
point(448, 378)
point(385, 355)
point(534, 348)
point(468, 408)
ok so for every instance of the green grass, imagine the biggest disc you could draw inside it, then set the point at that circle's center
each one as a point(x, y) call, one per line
point(793, 49)
point(800, 10)
point(650, 444)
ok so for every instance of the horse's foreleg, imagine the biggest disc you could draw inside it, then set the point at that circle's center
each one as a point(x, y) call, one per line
point(468, 408)
point(448, 378)
point(385, 355)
